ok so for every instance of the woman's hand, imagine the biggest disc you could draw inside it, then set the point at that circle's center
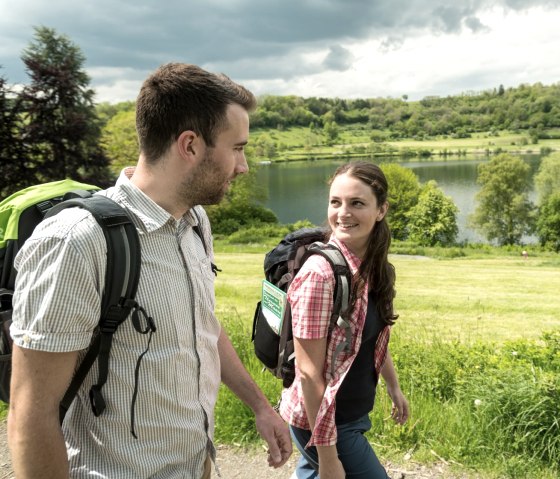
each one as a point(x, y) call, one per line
point(400, 410)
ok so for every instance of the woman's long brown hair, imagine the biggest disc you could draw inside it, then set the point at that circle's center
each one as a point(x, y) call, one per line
point(375, 267)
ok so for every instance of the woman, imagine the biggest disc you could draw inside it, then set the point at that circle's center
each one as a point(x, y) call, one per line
point(328, 412)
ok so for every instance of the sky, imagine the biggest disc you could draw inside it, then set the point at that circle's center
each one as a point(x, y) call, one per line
point(322, 48)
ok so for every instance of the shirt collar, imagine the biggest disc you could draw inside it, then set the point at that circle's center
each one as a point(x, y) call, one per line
point(150, 215)
point(353, 260)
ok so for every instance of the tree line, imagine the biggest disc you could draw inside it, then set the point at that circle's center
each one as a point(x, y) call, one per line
point(504, 213)
point(535, 108)
point(52, 129)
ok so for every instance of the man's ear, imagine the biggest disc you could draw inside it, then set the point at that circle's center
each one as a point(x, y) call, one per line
point(189, 145)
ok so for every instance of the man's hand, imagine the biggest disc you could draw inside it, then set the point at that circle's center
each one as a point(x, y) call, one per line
point(269, 424)
point(274, 431)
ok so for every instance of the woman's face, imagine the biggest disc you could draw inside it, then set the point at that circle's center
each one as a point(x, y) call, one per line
point(353, 212)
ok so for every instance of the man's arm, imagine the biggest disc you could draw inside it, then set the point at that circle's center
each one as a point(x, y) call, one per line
point(269, 424)
point(39, 381)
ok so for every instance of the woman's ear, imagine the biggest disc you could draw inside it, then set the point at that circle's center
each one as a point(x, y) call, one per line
point(382, 211)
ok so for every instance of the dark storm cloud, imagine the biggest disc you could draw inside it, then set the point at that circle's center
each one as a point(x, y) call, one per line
point(339, 58)
point(248, 39)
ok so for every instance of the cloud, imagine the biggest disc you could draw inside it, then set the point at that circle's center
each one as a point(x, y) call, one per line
point(391, 43)
point(338, 58)
point(275, 43)
point(475, 25)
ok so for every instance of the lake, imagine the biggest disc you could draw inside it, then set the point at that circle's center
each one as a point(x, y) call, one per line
point(299, 190)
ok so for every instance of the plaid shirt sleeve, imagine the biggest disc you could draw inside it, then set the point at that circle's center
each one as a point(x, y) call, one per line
point(311, 300)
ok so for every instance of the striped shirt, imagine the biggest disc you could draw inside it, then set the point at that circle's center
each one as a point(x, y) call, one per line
point(61, 272)
point(311, 299)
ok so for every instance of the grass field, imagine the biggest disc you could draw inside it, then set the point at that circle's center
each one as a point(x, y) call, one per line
point(298, 143)
point(457, 299)
point(477, 348)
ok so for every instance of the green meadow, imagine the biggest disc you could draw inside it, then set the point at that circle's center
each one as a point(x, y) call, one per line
point(477, 347)
point(460, 299)
point(299, 143)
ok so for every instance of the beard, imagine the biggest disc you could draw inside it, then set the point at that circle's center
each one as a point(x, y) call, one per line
point(207, 183)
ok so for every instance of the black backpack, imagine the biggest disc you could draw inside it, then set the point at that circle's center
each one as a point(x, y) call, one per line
point(22, 212)
point(274, 347)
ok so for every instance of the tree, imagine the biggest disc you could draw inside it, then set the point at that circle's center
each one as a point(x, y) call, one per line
point(433, 220)
point(547, 179)
point(120, 141)
point(61, 126)
point(404, 189)
point(264, 147)
point(331, 131)
point(12, 149)
point(504, 212)
point(548, 222)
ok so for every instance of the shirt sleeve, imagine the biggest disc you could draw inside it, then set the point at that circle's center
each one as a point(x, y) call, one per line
point(311, 299)
point(61, 271)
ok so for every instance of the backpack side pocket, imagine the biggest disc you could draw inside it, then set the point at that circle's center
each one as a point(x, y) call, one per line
point(265, 339)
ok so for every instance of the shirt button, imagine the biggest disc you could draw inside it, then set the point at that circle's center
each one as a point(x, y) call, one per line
point(26, 339)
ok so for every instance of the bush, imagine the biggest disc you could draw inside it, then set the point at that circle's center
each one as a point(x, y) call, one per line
point(509, 394)
point(227, 218)
point(257, 233)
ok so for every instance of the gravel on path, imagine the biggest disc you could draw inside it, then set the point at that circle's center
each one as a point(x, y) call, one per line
point(250, 463)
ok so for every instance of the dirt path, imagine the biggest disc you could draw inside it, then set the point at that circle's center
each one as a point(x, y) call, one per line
point(240, 463)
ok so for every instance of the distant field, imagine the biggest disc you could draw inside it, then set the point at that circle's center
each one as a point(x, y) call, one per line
point(299, 143)
point(457, 299)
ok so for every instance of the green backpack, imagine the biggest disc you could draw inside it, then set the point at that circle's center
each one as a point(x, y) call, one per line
point(19, 215)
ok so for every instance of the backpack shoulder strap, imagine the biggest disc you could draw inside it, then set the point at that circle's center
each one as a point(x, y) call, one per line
point(342, 275)
point(341, 298)
point(198, 231)
point(121, 283)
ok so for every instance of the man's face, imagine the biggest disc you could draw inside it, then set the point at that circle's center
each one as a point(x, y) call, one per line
point(221, 163)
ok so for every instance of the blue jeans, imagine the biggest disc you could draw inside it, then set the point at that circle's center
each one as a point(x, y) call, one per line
point(354, 451)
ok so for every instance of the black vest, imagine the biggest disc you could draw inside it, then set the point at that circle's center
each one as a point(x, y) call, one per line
point(356, 395)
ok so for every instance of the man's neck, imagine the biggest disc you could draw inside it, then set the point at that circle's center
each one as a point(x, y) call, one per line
point(159, 184)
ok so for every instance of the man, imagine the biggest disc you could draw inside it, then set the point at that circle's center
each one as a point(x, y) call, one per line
point(192, 128)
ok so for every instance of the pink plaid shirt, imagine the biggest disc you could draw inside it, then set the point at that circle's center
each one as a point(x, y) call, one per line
point(311, 299)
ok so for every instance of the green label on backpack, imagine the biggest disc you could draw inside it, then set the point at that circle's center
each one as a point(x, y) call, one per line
point(273, 305)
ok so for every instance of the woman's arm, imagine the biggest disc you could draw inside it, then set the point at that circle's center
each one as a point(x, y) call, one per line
point(400, 411)
point(310, 358)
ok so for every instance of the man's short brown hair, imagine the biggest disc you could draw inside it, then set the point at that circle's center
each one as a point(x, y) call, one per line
point(179, 97)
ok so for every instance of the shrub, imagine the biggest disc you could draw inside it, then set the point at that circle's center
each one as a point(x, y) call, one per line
point(257, 233)
point(227, 218)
